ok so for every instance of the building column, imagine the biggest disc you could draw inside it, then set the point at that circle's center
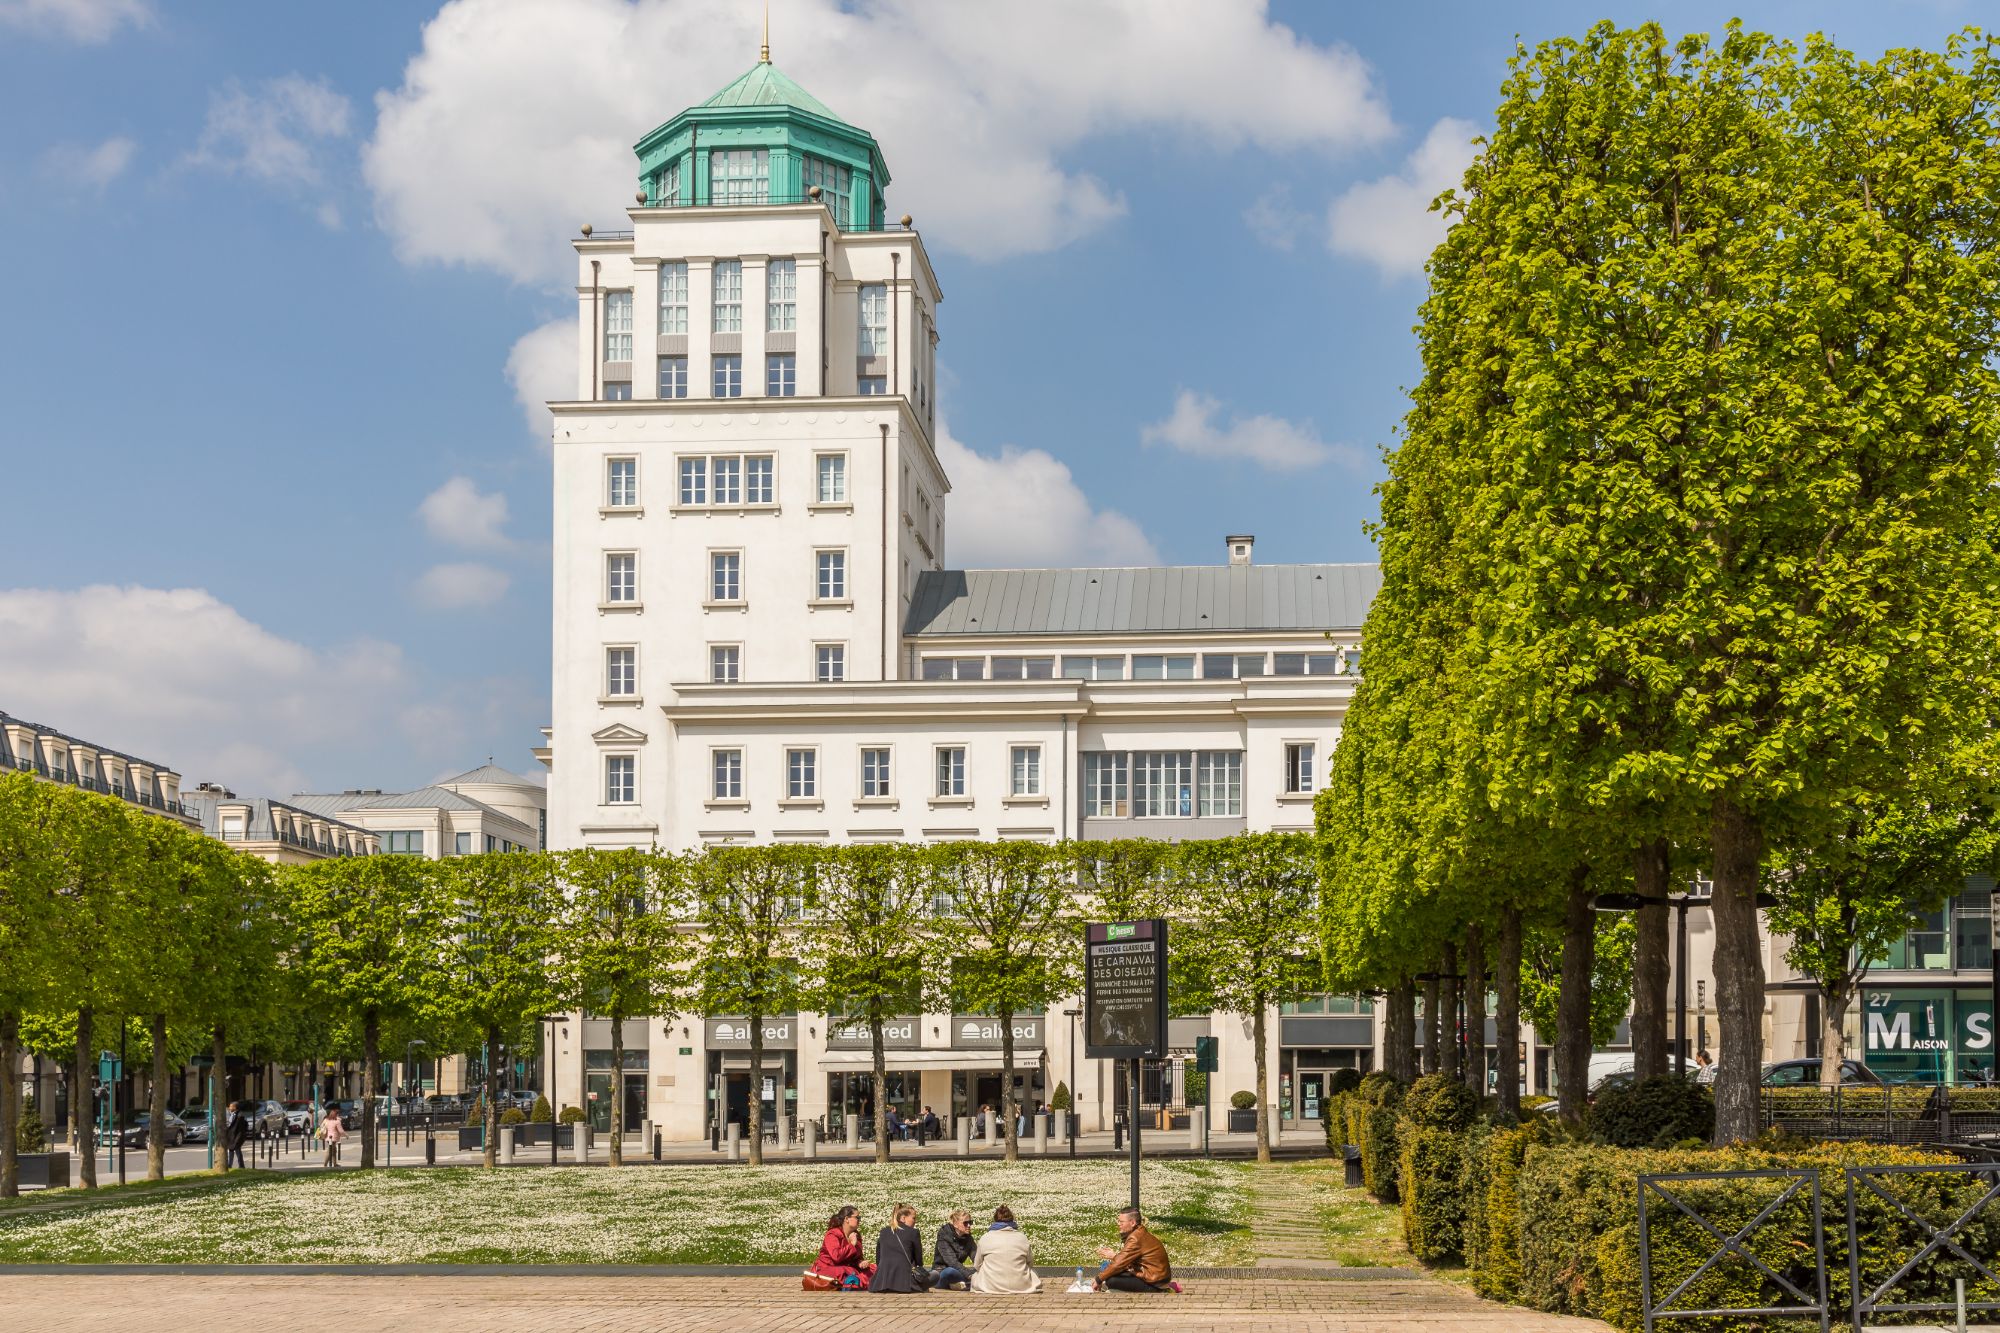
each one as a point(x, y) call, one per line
point(645, 328)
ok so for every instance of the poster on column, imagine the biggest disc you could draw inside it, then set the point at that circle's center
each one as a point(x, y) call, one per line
point(1125, 990)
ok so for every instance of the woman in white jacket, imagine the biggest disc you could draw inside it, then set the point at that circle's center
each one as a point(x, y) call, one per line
point(1004, 1262)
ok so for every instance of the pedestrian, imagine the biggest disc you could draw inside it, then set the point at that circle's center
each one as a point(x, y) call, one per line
point(1140, 1264)
point(899, 1255)
point(979, 1125)
point(332, 1131)
point(839, 1257)
point(927, 1128)
point(952, 1252)
point(236, 1131)
point(896, 1126)
point(1004, 1260)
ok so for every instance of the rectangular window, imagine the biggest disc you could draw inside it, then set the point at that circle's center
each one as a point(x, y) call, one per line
point(621, 483)
point(954, 668)
point(493, 844)
point(1104, 786)
point(801, 774)
point(832, 485)
point(874, 339)
point(1024, 766)
point(726, 776)
point(1219, 783)
point(781, 287)
point(725, 664)
point(1305, 664)
point(951, 770)
point(1093, 668)
point(1299, 773)
point(1162, 784)
point(739, 176)
point(404, 842)
point(726, 376)
point(674, 297)
point(1158, 667)
point(618, 391)
point(620, 781)
point(621, 577)
point(831, 584)
point(1231, 666)
point(621, 672)
point(872, 386)
point(461, 844)
point(875, 772)
point(728, 291)
point(829, 663)
point(618, 326)
point(728, 473)
point(725, 576)
point(694, 481)
point(758, 470)
point(673, 377)
point(1024, 668)
point(781, 375)
point(836, 185)
point(669, 189)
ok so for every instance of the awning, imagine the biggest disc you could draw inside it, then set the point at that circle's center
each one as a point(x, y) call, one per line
point(838, 1062)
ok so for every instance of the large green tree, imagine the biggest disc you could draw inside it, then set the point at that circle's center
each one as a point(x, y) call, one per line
point(29, 906)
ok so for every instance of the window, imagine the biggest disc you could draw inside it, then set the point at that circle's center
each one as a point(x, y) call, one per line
point(728, 292)
point(621, 577)
point(726, 776)
point(1219, 784)
point(830, 663)
point(835, 185)
point(739, 176)
point(1024, 766)
point(728, 479)
point(954, 668)
point(1180, 667)
point(951, 770)
point(781, 295)
point(1299, 775)
point(725, 663)
point(1305, 664)
point(1104, 786)
point(831, 585)
point(621, 672)
point(668, 189)
point(619, 783)
point(1024, 668)
point(725, 576)
point(493, 844)
point(726, 378)
point(232, 828)
point(1093, 668)
point(872, 386)
point(1162, 784)
point(801, 775)
point(461, 844)
point(621, 483)
point(874, 339)
point(618, 326)
point(673, 377)
point(404, 842)
point(758, 470)
point(694, 481)
point(832, 473)
point(875, 772)
point(727, 471)
point(781, 375)
point(674, 297)
point(1231, 666)
point(618, 391)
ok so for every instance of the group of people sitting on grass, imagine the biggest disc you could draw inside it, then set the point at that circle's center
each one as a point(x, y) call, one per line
point(999, 1260)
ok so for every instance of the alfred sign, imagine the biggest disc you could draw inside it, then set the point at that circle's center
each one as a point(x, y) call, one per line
point(1125, 990)
point(733, 1034)
point(971, 1032)
point(898, 1034)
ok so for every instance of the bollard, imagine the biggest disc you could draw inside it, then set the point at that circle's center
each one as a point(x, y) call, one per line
point(580, 1142)
point(853, 1132)
point(1041, 1136)
point(656, 1145)
point(809, 1145)
point(645, 1131)
point(1197, 1126)
point(782, 1124)
point(506, 1145)
point(964, 1136)
point(987, 1128)
point(734, 1137)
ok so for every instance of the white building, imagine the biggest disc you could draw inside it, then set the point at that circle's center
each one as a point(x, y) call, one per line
point(757, 640)
point(486, 810)
point(279, 833)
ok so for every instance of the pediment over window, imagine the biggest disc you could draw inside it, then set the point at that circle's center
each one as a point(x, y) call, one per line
point(618, 734)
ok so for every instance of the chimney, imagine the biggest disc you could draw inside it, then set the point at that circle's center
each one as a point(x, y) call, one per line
point(1239, 548)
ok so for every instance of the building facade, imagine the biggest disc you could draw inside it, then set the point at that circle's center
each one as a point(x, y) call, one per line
point(485, 810)
point(275, 831)
point(56, 756)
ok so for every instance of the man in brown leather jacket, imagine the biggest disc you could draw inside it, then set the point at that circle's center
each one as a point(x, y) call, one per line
point(1140, 1264)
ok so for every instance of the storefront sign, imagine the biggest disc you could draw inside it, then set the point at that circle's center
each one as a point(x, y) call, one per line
point(898, 1034)
point(970, 1032)
point(1928, 1035)
point(733, 1034)
point(1125, 990)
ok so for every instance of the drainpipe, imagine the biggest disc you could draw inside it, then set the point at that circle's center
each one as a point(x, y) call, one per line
point(596, 332)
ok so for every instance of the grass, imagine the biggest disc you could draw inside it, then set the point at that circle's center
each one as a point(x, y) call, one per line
point(638, 1215)
point(112, 1193)
point(1362, 1232)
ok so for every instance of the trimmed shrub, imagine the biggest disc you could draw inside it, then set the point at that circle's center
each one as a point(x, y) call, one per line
point(1437, 1113)
point(29, 1131)
point(1059, 1100)
point(513, 1115)
point(475, 1115)
point(1194, 1089)
point(572, 1115)
point(1371, 1128)
point(542, 1113)
point(1657, 1113)
point(1493, 1187)
point(1439, 1101)
point(1244, 1100)
point(1343, 1080)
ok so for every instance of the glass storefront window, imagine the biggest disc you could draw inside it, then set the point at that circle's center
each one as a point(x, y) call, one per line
point(1927, 1034)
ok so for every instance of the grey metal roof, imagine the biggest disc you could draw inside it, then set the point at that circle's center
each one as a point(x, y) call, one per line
point(41, 729)
point(259, 826)
point(423, 798)
point(1185, 599)
point(490, 774)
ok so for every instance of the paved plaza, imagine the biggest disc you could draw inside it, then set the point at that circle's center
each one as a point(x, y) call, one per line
point(562, 1304)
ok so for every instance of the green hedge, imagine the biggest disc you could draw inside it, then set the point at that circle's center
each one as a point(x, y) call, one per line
point(1493, 1190)
point(1371, 1127)
point(1655, 1113)
point(1897, 1101)
point(1437, 1113)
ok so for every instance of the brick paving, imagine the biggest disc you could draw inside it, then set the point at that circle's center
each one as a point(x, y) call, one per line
point(575, 1304)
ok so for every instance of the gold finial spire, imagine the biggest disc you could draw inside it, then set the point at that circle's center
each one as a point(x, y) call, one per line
point(764, 51)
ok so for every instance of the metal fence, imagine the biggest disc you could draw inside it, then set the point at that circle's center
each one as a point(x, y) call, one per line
point(1808, 1296)
point(1954, 1212)
point(1905, 1113)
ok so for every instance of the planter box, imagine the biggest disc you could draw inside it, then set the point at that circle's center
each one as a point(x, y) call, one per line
point(1242, 1122)
point(48, 1170)
point(529, 1136)
point(1176, 1118)
point(470, 1137)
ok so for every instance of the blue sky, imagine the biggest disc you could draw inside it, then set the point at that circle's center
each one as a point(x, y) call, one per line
point(268, 266)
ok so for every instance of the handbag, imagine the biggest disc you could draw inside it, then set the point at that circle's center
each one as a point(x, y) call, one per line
point(817, 1282)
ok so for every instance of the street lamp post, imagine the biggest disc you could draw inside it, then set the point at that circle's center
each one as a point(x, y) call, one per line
point(1632, 902)
point(1072, 1015)
point(549, 1073)
point(410, 1084)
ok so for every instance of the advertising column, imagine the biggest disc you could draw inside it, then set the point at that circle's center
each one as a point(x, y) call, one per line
point(1125, 1004)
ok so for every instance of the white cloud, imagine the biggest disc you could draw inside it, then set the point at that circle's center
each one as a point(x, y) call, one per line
point(542, 368)
point(178, 676)
point(1023, 510)
point(89, 21)
point(276, 135)
point(1388, 222)
point(1274, 220)
point(458, 513)
point(461, 584)
point(90, 166)
point(1268, 441)
point(514, 123)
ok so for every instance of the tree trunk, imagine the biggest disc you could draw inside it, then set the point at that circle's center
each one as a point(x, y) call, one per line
point(753, 1112)
point(1833, 1002)
point(617, 1085)
point(1448, 1014)
point(1507, 1013)
point(218, 1094)
point(1651, 961)
point(1430, 1065)
point(1011, 1139)
point(156, 1103)
point(371, 1074)
point(1579, 960)
point(1400, 1058)
point(880, 1068)
point(10, 1104)
point(490, 1121)
point(1475, 1011)
point(82, 1105)
point(1257, 1023)
point(1737, 846)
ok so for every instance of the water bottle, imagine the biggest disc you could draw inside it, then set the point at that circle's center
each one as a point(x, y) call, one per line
point(1079, 1279)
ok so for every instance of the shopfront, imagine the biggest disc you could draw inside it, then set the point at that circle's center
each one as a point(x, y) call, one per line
point(849, 1071)
point(1318, 1036)
point(600, 1085)
point(1925, 1034)
point(729, 1077)
point(976, 1075)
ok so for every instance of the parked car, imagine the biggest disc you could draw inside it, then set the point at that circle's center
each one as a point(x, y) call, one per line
point(299, 1117)
point(267, 1118)
point(1806, 1073)
point(135, 1134)
point(194, 1124)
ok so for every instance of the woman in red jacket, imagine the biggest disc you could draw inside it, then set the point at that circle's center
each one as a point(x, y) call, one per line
point(840, 1251)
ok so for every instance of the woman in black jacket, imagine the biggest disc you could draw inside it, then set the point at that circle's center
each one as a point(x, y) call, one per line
point(899, 1255)
point(953, 1251)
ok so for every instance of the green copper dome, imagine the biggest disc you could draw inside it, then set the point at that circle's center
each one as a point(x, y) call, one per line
point(765, 140)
